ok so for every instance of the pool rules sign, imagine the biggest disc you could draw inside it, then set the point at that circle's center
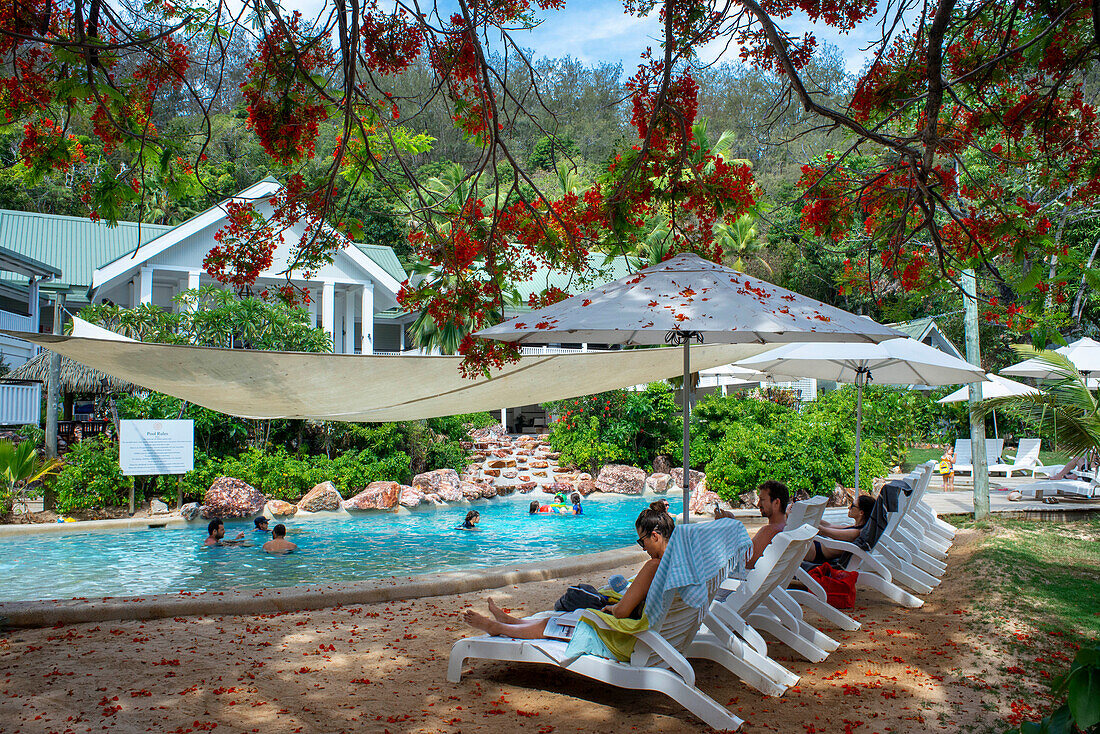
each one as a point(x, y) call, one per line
point(156, 447)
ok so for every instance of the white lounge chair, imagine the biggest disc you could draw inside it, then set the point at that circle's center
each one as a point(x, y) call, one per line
point(729, 636)
point(1026, 459)
point(657, 663)
point(1069, 488)
point(964, 461)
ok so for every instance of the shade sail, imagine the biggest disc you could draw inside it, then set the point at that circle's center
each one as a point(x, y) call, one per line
point(688, 294)
point(1084, 353)
point(997, 387)
point(365, 388)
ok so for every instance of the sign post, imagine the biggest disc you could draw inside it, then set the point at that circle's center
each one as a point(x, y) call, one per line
point(148, 447)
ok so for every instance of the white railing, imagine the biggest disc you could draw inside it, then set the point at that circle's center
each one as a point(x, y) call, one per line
point(20, 405)
point(16, 322)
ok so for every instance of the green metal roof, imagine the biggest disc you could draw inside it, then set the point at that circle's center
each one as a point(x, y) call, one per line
point(598, 274)
point(385, 258)
point(74, 245)
point(916, 328)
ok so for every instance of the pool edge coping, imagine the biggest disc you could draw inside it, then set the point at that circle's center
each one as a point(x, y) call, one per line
point(44, 613)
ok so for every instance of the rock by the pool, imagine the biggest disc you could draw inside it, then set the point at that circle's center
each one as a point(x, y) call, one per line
point(376, 496)
point(658, 483)
point(229, 498)
point(156, 507)
point(621, 479)
point(470, 491)
point(586, 486)
point(190, 511)
point(279, 508)
point(322, 498)
point(526, 487)
point(411, 496)
point(442, 482)
point(694, 477)
point(702, 501)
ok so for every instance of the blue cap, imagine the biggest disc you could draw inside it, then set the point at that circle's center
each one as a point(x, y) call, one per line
point(618, 583)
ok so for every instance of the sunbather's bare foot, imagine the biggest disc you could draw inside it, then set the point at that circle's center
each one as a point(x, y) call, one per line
point(481, 622)
point(501, 615)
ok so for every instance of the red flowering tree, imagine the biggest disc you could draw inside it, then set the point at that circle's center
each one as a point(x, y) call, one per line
point(972, 135)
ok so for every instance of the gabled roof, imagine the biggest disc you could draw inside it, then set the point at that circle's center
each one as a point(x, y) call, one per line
point(14, 262)
point(599, 274)
point(174, 235)
point(73, 245)
point(385, 258)
point(928, 331)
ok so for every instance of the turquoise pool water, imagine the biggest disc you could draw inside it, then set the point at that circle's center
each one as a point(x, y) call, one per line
point(368, 546)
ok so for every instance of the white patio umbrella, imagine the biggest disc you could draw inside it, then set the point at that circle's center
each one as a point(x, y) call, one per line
point(729, 376)
point(998, 387)
point(682, 299)
point(1084, 353)
point(896, 362)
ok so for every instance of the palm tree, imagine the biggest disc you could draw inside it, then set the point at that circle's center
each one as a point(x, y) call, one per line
point(20, 466)
point(1065, 403)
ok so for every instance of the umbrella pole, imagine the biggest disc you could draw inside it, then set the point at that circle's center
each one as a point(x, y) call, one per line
point(861, 377)
point(687, 429)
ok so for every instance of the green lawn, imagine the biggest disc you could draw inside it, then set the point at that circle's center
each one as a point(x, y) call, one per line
point(919, 456)
point(1033, 604)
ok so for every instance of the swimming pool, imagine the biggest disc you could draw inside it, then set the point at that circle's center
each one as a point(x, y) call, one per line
point(339, 548)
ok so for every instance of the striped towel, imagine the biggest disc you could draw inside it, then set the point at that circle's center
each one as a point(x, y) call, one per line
point(695, 555)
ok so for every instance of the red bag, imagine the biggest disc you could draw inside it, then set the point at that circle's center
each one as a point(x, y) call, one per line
point(840, 586)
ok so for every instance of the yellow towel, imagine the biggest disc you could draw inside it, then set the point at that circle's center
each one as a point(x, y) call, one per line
point(611, 594)
point(620, 638)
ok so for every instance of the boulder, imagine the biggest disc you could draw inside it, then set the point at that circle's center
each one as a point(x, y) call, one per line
point(410, 496)
point(375, 496)
point(509, 474)
point(586, 487)
point(469, 491)
point(839, 497)
point(230, 498)
point(662, 464)
point(156, 507)
point(584, 476)
point(190, 511)
point(433, 499)
point(539, 465)
point(324, 497)
point(746, 500)
point(658, 483)
point(492, 472)
point(539, 473)
point(621, 479)
point(278, 508)
point(564, 487)
point(504, 490)
point(443, 482)
point(526, 487)
point(489, 491)
point(694, 477)
point(489, 433)
point(702, 502)
point(552, 456)
point(502, 463)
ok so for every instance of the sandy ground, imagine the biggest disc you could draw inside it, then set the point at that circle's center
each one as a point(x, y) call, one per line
point(383, 668)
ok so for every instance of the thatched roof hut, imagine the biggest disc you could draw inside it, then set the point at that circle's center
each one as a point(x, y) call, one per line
point(76, 378)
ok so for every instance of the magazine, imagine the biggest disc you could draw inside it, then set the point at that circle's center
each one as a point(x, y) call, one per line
point(562, 626)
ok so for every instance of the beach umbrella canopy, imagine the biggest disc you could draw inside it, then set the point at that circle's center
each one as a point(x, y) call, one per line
point(997, 387)
point(729, 376)
point(895, 362)
point(1084, 353)
point(685, 299)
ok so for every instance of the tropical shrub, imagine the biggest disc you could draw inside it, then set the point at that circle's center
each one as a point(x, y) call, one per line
point(20, 468)
point(619, 426)
point(91, 477)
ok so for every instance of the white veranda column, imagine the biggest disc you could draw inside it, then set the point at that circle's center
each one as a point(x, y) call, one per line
point(349, 322)
point(328, 309)
point(314, 295)
point(32, 303)
point(145, 285)
point(193, 281)
point(366, 341)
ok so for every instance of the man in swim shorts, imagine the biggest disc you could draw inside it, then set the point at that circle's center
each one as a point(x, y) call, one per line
point(774, 497)
point(278, 542)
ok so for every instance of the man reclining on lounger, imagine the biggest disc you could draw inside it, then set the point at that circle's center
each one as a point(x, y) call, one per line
point(774, 497)
point(654, 529)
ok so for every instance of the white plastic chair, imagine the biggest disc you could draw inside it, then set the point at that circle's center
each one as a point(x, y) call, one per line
point(993, 449)
point(657, 663)
point(1026, 459)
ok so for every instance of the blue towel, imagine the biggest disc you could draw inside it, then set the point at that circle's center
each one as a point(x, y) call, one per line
point(695, 554)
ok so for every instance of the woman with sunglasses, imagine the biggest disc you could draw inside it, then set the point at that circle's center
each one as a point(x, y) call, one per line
point(654, 528)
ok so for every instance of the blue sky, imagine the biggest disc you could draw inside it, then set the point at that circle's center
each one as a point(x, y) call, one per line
point(597, 31)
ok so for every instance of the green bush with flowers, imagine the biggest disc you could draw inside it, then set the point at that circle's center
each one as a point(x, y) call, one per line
point(616, 427)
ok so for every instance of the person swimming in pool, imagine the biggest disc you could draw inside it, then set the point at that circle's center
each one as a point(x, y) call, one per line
point(534, 508)
point(278, 542)
point(216, 535)
point(470, 523)
point(577, 509)
point(261, 524)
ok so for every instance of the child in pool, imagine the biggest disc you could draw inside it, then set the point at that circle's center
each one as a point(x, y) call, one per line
point(470, 523)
